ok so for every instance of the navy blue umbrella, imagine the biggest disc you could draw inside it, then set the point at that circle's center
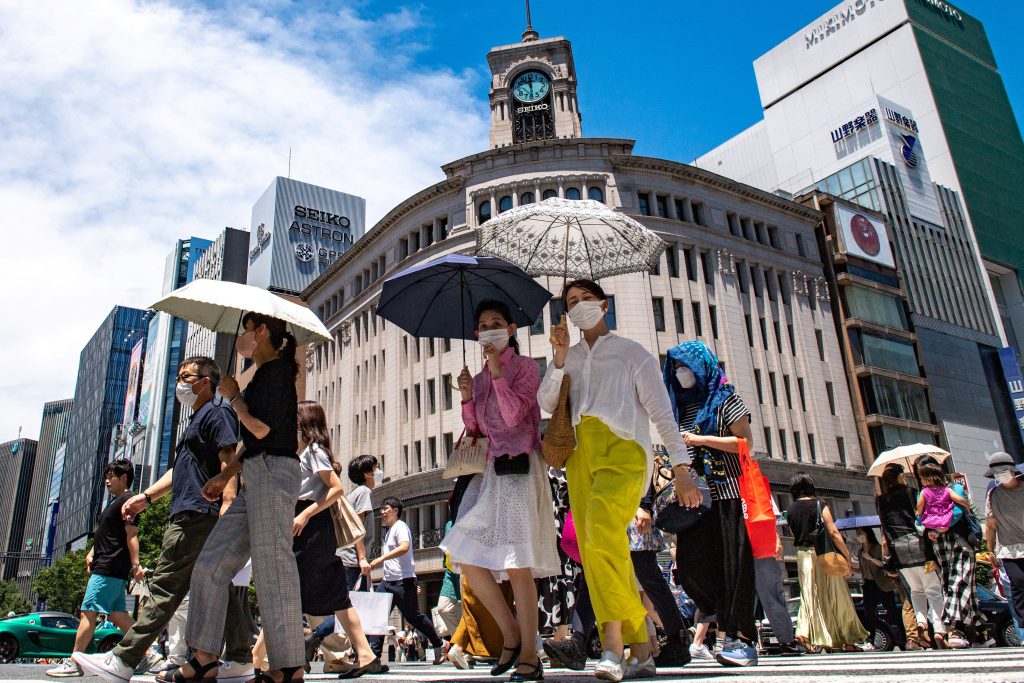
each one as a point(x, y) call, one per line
point(858, 521)
point(439, 298)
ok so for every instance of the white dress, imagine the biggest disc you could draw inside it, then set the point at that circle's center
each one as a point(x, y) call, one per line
point(506, 522)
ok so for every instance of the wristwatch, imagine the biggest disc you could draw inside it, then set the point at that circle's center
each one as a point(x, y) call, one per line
point(149, 501)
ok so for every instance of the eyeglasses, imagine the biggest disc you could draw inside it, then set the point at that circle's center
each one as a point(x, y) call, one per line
point(187, 377)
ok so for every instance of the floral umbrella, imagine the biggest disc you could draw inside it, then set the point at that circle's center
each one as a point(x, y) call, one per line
point(570, 239)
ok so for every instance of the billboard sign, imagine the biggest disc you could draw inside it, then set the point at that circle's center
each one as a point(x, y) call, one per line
point(864, 236)
point(134, 382)
point(298, 230)
point(1014, 384)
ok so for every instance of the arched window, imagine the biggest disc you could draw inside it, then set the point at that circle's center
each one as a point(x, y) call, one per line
point(548, 194)
point(504, 204)
point(526, 198)
point(572, 193)
point(484, 211)
point(595, 193)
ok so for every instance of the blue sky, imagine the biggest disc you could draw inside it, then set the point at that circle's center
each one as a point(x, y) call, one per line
point(155, 120)
point(676, 75)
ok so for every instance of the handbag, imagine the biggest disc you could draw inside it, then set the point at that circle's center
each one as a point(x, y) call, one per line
point(560, 436)
point(758, 514)
point(908, 550)
point(512, 464)
point(468, 457)
point(374, 610)
point(348, 527)
point(669, 515)
point(831, 560)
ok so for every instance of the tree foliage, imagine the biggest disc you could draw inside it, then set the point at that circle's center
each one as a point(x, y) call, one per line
point(11, 599)
point(62, 586)
point(152, 524)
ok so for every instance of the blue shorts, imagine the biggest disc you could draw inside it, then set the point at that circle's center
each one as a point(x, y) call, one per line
point(104, 594)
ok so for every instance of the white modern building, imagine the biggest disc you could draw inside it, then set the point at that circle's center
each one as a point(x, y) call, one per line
point(858, 104)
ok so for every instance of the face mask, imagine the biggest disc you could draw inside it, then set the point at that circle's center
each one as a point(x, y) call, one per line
point(185, 395)
point(246, 344)
point(586, 315)
point(499, 338)
point(686, 377)
point(378, 477)
point(1004, 477)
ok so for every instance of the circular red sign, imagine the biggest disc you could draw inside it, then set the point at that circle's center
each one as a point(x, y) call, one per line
point(865, 235)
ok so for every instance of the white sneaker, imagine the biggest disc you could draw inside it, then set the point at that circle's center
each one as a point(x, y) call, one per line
point(609, 668)
point(234, 672)
point(637, 669)
point(457, 657)
point(107, 666)
point(66, 669)
point(702, 653)
point(957, 641)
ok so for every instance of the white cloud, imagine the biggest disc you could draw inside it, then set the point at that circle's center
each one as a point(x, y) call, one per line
point(126, 125)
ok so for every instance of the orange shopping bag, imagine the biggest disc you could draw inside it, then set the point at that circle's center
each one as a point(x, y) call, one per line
point(757, 505)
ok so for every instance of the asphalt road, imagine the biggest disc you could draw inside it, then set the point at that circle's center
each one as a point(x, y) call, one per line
point(966, 666)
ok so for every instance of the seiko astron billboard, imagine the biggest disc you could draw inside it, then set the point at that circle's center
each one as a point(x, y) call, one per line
point(298, 230)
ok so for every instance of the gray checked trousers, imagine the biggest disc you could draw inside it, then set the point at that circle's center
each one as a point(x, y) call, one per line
point(258, 523)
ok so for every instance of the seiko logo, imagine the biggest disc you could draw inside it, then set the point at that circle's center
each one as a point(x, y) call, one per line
point(534, 107)
point(836, 21)
point(262, 237)
point(322, 216)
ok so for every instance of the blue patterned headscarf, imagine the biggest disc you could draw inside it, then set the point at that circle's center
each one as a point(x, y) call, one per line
point(710, 392)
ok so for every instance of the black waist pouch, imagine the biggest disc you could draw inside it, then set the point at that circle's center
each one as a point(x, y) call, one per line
point(512, 464)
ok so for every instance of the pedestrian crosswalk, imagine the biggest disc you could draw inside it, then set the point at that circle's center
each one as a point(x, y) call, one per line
point(962, 666)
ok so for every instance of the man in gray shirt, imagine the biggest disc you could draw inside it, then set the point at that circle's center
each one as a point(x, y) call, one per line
point(1004, 524)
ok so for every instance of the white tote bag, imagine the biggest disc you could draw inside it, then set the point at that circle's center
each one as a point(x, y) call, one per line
point(374, 610)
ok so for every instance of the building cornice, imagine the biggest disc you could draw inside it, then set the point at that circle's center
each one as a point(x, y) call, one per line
point(675, 169)
point(446, 187)
point(456, 167)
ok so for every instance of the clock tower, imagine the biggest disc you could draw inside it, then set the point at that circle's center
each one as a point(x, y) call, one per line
point(533, 90)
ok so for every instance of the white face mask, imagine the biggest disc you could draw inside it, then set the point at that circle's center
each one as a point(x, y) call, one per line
point(499, 338)
point(183, 392)
point(586, 314)
point(686, 377)
point(378, 477)
point(1004, 477)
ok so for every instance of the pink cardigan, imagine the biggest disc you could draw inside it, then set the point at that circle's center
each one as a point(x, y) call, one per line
point(505, 410)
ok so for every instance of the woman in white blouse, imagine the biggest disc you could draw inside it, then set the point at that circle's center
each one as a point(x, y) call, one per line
point(616, 391)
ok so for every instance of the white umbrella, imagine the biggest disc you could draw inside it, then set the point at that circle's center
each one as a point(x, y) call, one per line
point(905, 456)
point(219, 306)
point(570, 239)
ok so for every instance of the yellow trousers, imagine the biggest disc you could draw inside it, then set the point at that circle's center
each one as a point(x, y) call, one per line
point(606, 477)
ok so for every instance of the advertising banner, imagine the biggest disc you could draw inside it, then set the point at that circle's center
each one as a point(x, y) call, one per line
point(134, 380)
point(864, 236)
point(1014, 383)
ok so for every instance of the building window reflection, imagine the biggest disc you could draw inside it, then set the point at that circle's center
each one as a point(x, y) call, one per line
point(548, 194)
point(526, 198)
point(572, 193)
point(484, 210)
point(504, 204)
point(595, 193)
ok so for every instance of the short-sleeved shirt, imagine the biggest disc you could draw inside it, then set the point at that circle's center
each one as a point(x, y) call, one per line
point(271, 399)
point(197, 457)
point(312, 461)
point(401, 567)
point(731, 411)
point(110, 555)
point(361, 502)
point(1007, 506)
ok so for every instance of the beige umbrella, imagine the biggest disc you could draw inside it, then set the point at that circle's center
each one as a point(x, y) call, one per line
point(219, 306)
point(905, 456)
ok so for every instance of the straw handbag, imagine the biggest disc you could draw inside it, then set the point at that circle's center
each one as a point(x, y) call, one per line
point(348, 528)
point(560, 436)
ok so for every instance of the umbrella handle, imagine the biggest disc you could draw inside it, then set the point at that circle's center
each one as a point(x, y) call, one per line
point(231, 355)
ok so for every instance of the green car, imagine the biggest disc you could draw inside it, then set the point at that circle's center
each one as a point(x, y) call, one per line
point(48, 634)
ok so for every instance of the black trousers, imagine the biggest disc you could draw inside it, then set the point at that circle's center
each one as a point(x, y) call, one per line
point(405, 600)
point(716, 567)
point(1015, 573)
point(648, 573)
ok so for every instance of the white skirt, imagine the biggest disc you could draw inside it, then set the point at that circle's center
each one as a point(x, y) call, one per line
point(506, 523)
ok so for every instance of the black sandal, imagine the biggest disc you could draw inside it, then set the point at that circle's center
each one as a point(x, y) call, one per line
point(537, 674)
point(499, 668)
point(198, 673)
point(263, 677)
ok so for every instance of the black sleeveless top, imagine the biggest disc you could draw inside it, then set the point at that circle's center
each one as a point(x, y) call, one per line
point(802, 517)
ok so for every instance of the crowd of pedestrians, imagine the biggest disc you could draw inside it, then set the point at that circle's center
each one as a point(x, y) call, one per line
point(528, 547)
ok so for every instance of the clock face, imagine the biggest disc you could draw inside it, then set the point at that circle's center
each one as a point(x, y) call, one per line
point(530, 86)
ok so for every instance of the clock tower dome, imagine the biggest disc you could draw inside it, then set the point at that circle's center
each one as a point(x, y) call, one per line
point(533, 90)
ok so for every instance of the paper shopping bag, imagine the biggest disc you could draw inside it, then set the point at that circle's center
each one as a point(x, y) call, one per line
point(374, 610)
